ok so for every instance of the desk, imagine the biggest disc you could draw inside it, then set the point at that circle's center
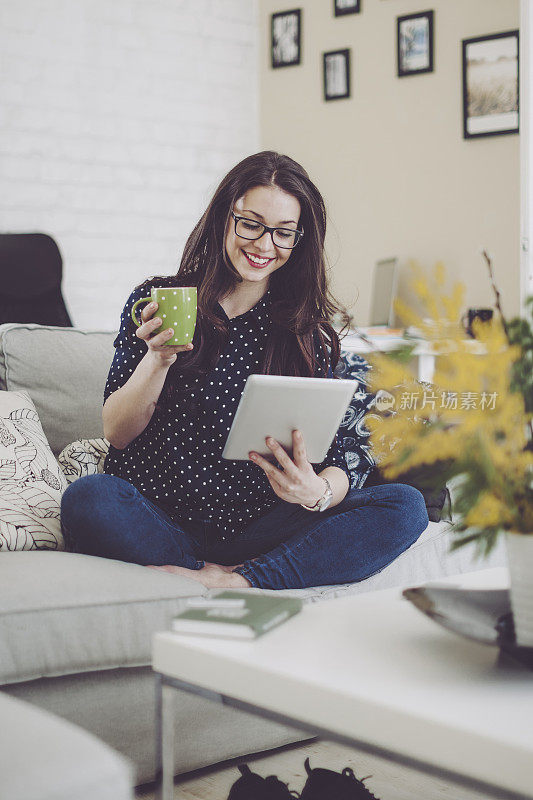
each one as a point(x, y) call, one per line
point(374, 672)
point(423, 350)
point(353, 343)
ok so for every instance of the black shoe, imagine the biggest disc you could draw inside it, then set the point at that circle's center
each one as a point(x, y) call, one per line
point(251, 786)
point(325, 784)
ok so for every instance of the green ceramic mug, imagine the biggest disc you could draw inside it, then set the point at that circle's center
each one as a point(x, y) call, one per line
point(177, 308)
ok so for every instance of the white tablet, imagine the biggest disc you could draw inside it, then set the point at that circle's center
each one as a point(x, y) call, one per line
point(275, 405)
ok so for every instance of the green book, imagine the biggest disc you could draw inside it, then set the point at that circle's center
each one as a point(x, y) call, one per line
point(237, 615)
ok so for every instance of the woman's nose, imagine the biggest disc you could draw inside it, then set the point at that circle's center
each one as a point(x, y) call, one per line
point(265, 243)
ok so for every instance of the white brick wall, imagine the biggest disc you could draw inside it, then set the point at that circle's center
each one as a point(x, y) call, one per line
point(117, 119)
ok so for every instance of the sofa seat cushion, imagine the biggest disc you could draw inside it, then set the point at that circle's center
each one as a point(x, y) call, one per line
point(64, 613)
point(45, 758)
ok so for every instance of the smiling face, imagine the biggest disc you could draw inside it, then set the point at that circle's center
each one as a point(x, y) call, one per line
point(255, 260)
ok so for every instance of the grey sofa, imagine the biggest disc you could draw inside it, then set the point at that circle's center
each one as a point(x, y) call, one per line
point(75, 630)
point(46, 758)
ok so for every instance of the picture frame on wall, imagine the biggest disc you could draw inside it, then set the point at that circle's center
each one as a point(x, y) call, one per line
point(491, 85)
point(414, 42)
point(285, 38)
point(336, 74)
point(342, 7)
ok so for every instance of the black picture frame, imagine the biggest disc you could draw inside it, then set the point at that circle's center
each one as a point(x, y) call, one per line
point(415, 43)
point(286, 38)
point(343, 7)
point(336, 74)
point(491, 84)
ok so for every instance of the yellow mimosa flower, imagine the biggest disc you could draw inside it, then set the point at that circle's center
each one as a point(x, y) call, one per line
point(468, 421)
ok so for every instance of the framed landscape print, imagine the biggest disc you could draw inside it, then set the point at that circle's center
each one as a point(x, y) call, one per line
point(342, 7)
point(415, 43)
point(490, 85)
point(286, 34)
point(336, 75)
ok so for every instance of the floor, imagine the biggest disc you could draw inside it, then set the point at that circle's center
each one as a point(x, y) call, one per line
point(387, 782)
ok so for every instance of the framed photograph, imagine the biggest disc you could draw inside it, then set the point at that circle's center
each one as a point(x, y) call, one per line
point(491, 85)
point(415, 44)
point(342, 7)
point(286, 34)
point(336, 75)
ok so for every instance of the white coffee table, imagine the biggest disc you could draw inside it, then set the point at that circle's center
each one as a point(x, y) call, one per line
point(373, 671)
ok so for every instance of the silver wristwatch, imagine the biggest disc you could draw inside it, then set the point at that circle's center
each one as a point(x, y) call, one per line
point(323, 502)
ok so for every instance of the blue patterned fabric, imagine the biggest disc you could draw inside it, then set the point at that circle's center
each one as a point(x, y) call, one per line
point(355, 439)
point(354, 435)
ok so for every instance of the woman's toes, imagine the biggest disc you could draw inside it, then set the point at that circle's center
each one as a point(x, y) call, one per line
point(165, 567)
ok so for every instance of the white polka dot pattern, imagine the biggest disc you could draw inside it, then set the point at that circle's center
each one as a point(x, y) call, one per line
point(176, 461)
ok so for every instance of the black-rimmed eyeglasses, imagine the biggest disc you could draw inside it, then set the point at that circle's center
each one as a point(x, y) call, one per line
point(286, 238)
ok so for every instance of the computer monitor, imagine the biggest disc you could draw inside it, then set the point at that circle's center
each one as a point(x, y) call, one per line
point(384, 282)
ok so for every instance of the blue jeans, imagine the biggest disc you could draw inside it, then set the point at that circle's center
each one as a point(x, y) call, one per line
point(287, 548)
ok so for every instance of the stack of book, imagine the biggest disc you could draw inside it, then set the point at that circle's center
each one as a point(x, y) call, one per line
point(237, 615)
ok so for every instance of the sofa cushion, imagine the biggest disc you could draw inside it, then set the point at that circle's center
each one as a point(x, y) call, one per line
point(64, 370)
point(62, 613)
point(83, 457)
point(45, 758)
point(31, 482)
point(96, 613)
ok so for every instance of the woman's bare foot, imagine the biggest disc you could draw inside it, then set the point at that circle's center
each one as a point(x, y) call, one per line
point(214, 576)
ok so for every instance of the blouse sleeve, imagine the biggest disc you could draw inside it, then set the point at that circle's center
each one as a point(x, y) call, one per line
point(335, 456)
point(129, 349)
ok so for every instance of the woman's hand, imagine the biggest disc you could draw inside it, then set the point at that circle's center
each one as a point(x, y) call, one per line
point(295, 481)
point(162, 353)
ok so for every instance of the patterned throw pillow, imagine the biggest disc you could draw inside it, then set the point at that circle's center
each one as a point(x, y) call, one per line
point(31, 483)
point(354, 434)
point(83, 457)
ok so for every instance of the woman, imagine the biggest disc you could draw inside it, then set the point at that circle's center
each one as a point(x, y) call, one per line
point(167, 498)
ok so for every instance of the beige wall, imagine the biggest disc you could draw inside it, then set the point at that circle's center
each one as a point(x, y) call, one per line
point(398, 177)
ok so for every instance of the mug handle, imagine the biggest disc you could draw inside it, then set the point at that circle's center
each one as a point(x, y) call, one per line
point(142, 300)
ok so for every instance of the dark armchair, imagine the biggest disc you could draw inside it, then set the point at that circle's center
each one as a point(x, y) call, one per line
point(31, 270)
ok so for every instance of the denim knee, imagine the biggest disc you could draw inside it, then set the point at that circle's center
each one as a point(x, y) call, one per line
point(81, 502)
point(84, 491)
point(412, 512)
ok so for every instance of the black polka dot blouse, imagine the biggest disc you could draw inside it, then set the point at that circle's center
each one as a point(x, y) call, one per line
point(176, 462)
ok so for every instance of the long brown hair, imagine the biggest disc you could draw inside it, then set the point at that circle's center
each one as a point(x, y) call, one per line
point(302, 304)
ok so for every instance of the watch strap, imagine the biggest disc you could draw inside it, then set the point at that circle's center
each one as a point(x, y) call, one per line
point(318, 505)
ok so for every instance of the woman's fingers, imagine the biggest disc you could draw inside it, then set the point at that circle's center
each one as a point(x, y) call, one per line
point(159, 341)
point(282, 456)
point(149, 322)
point(296, 481)
point(299, 450)
point(269, 469)
point(149, 311)
point(162, 337)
